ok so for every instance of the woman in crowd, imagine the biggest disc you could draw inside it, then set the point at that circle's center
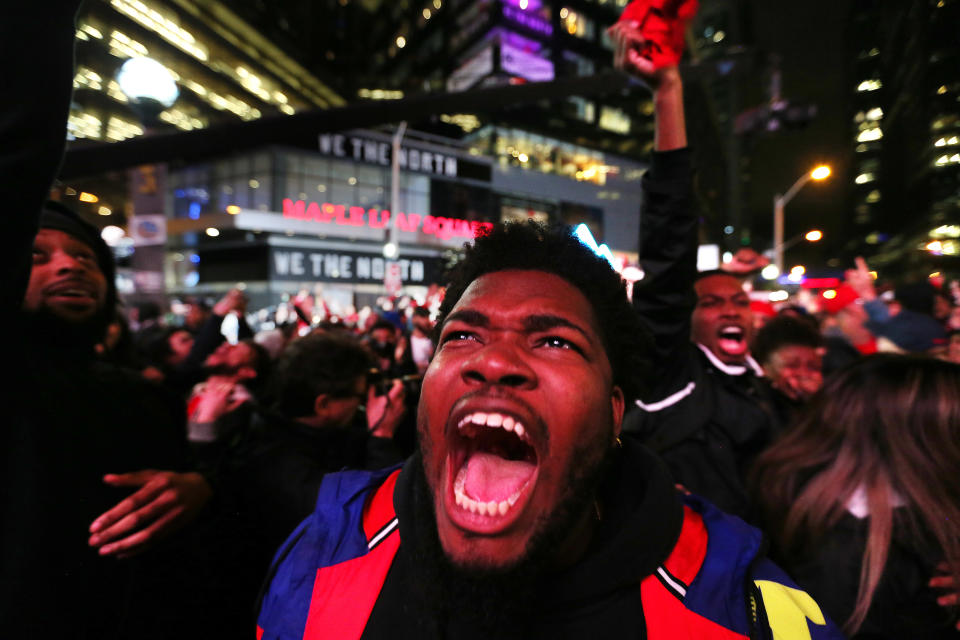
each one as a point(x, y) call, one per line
point(863, 500)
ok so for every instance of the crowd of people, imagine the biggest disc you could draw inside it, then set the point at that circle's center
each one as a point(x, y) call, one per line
point(537, 454)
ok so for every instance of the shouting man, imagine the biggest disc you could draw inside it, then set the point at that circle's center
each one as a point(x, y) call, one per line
point(524, 515)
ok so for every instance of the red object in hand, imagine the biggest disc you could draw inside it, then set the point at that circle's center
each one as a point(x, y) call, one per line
point(662, 24)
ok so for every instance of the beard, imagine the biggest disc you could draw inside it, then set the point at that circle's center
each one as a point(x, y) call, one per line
point(501, 602)
point(74, 336)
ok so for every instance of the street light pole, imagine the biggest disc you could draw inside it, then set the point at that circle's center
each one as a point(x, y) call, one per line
point(780, 201)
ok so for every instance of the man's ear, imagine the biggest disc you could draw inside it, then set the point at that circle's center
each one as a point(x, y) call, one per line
point(616, 409)
point(320, 404)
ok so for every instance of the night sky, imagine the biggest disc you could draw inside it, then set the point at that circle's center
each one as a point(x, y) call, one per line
point(809, 38)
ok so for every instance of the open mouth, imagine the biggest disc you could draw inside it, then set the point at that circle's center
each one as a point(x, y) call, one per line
point(492, 468)
point(72, 294)
point(732, 340)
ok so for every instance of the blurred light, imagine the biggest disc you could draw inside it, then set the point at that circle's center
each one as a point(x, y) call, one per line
point(770, 272)
point(778, 296)
point(254, 183)
point(523, 4)
point(194, 210)
point(727, 256)
point(192, 278)
point(798, 269)
point(874, 275)
point(869, 135)
point(814, 235)
point(728, 229)
point(88, 197)
point(194, 258)
point(830, 294)
point(946, 231)
point(112, 234)
point(935, 274)
point(795, 277)
point(582, 232)
point(401, 42)
point(523, 157)
point(820, 173)
point(104, 210)
point(875, 114)
point(145, 78)
point(233, 209)
point(426, 14)
point(632, 274)
point(869, 85)
point(390, 250)
point(212, 232)
point(352, 180)
point(718, 36)
point(864, 178)
point(437, 4)
point(564, 12)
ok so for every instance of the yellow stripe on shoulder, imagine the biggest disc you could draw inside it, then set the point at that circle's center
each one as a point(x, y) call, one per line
point(788, 610)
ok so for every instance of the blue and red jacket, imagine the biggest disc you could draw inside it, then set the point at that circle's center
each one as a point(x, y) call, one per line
point(714, 584)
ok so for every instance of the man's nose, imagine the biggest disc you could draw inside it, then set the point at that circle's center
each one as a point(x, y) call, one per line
point(501, 363)
point(66, 263)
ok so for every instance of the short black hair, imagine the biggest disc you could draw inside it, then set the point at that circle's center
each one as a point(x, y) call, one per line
point(554, 249)
point(319, 363)
point(783, 331)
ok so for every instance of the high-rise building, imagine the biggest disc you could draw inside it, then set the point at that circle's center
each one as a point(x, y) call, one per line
point(904, 81)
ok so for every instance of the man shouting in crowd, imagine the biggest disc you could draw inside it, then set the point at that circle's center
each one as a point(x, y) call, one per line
point(524, 515)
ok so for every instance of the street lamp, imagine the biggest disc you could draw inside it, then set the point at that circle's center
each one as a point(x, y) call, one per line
point(150, 88)
point(821, 172)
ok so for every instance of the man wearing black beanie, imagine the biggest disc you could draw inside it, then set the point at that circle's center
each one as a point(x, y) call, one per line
point(78, 437)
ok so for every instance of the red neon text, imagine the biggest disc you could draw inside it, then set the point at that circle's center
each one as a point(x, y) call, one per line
point(443, 228)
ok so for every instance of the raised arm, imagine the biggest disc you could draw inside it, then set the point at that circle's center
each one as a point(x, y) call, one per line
point(668, 240)
point(33, 118)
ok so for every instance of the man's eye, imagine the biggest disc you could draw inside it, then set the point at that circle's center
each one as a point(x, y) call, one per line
point(556, 342)
point(458, 336)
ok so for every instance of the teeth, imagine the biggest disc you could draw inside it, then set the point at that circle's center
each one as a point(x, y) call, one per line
point(491, 509)
point(493, 420)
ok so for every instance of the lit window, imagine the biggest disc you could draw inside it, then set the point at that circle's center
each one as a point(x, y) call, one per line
point(869, 135)
point(864, 178)
point(875, 114)
point(869, 85)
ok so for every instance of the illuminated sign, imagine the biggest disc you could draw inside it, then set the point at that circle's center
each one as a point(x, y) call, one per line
point(374, 148)
point(374, 151)
point(303, 264)
point(471, 71)
point(531, 21)
point(526, 65)
point(353, 216)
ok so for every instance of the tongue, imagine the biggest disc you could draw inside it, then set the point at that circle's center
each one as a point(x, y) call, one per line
point(490, 477)
point(732, 346)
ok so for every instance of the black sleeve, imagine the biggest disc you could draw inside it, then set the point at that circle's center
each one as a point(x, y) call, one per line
point(668, 254)
point(36, 52)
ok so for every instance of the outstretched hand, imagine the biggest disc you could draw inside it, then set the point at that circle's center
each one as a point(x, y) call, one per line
point(164, 502)
point(861, 281)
